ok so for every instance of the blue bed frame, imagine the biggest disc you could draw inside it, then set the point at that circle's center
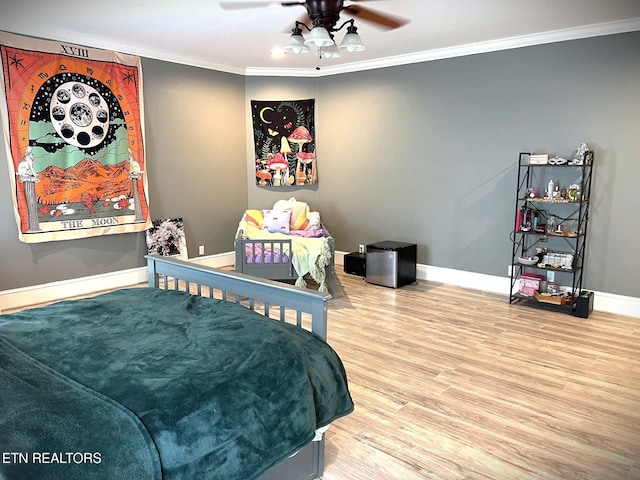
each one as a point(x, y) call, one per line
point(270, 298)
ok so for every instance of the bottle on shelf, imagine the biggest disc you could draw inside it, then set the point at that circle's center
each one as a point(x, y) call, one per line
point(551, 224)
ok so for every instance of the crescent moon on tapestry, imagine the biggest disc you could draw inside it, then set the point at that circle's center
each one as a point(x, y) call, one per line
point(262, 114)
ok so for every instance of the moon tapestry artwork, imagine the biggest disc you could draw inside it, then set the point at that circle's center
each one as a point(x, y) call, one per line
point(74, 139)
point(284, 140)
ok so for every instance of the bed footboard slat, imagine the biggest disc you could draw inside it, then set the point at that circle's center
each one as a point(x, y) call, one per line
point(243, 288)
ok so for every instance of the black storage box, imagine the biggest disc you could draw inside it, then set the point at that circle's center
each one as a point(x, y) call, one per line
point(584, 304)
point(356, 264)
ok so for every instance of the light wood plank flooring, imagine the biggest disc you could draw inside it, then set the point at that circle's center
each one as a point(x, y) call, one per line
point(458, 384)
point(451, 383)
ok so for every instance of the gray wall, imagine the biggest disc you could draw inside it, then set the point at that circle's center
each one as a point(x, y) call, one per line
point(423, 153)
point(427, 153)
point(194, 123)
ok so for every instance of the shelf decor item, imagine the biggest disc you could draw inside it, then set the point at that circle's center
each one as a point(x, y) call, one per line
point(529, 283)
point(582, 155)
point(573, 193)
point(557, 161)
point(528, 260)
point(540, 159)
point(550, 189)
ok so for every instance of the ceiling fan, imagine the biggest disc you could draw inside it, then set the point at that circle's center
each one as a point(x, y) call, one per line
point(326, 13)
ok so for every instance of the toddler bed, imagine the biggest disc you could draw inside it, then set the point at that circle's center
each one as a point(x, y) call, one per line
point(287, 242)
point(187, 380)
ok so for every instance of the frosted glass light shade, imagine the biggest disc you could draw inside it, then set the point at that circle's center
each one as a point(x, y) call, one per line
point(296, 44)
point(330, 52)
point(319, 37)
point(352, 43)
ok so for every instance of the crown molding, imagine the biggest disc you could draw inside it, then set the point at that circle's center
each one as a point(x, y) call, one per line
point(114, 45)
point(554, 36)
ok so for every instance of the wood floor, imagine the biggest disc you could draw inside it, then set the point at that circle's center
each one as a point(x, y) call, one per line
point(451, 383)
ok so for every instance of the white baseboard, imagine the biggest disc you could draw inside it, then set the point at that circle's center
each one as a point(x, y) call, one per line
point(49, 292)
point(602, 301)
point(54, 291)
point(216, 261)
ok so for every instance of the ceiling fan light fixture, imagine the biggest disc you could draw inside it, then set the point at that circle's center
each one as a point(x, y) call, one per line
point(330, 52)
point(319, 37)
point(351, 41)
point(296, 43)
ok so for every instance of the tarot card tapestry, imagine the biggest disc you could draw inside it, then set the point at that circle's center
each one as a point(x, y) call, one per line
point(284, 139)
point(73, 128)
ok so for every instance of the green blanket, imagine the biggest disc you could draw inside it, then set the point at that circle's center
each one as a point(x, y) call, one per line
point(147, 380)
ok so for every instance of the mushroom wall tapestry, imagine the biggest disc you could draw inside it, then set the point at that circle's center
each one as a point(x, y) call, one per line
point(73, 127)
point(284, 139)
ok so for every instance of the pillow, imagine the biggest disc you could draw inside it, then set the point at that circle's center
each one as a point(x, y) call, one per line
point(254, 217)
point(299, 212)
point(276, 221)
point(314, 221)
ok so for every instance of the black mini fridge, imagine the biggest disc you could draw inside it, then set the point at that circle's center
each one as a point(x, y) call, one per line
point(391, 264)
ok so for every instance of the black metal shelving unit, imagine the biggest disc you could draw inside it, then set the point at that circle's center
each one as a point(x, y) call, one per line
point(560, 248)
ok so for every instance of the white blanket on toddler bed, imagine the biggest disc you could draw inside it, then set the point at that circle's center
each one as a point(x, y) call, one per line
point(310, 255)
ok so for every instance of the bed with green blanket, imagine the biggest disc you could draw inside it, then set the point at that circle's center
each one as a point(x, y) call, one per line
point(213, 375)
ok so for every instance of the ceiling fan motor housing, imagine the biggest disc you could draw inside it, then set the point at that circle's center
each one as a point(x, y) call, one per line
point(324, 13)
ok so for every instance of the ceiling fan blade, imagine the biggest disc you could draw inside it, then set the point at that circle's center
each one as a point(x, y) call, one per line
point(265, 3)
point(381, 20)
